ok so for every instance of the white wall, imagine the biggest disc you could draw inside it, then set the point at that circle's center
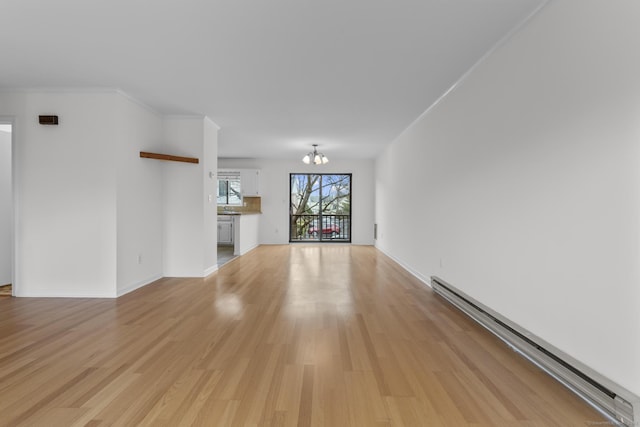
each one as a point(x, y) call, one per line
point(190, 248)
point(6, 209)
point(246, 232)
point(528, 177)
point(66, 184)
point(209, 187)
point(87, 206)
point(274, 188)
point(139, 195)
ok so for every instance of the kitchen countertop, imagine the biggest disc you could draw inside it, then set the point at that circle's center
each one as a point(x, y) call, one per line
point(238, 213)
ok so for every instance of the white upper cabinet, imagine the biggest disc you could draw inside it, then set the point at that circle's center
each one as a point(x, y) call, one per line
point(250, 182)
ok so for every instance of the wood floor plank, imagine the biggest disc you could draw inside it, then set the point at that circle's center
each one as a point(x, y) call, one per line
point(291, 335)
point(192, 407)
point(306, 397)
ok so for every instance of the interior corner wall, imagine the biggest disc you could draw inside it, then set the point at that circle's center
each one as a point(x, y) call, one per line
point(65, 201)
point(209, 187)
point(6, 209)
point(139, 195)
point(184, 204)
point(93, 219)
point(275, 187)
point(526, 182)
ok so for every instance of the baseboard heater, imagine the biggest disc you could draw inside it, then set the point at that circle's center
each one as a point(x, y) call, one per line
point(615, 402)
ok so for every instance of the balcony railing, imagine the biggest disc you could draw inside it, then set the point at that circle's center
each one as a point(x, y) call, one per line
point(335, 228)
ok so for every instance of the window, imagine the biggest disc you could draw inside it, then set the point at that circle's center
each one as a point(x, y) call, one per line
point(320, 207)
point(229, 191)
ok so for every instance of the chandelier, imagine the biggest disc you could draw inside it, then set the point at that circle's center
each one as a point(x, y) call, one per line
point(313, 157)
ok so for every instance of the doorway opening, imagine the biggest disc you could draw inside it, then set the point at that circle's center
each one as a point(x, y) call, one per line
point(6, 210)
point(320, 208)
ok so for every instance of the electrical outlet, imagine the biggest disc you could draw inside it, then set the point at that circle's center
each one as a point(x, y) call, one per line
point(139, 258)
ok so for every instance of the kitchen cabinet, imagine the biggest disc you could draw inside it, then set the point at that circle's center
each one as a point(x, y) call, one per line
point(239, 230)
point(250, 182)
point(225, 230)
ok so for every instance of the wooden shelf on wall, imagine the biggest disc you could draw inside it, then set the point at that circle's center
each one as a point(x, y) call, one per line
point(147, 155)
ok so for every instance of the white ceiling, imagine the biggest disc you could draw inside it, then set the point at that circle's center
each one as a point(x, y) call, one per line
point(276, 76)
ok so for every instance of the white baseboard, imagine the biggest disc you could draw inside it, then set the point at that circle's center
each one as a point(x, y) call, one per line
point(65, 294)
point(209, 271)
point(249, 250)
point(420, 277)
point(137, 285)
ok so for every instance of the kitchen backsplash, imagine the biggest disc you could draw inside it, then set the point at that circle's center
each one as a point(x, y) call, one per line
point(252, 204)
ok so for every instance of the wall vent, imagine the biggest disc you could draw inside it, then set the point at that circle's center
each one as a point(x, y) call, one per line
point(612, 400)
point(48, 120)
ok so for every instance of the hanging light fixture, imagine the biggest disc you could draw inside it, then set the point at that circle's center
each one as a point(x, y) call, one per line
point(313, 157)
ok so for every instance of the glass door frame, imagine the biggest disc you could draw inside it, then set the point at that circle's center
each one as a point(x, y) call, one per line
point(339, 224)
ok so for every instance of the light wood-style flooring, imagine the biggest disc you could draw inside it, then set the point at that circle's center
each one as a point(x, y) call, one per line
point(225, 254)
point(293, 335)
point(5, 291)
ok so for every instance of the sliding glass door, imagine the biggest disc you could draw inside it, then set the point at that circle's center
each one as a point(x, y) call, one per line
point(320, 208)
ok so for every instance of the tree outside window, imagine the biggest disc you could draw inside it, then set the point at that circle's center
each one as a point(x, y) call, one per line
point(320, 207)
